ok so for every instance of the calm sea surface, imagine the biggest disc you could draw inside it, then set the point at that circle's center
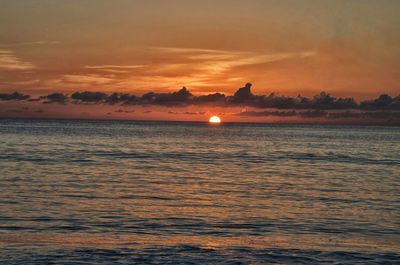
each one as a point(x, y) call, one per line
point(103, 192)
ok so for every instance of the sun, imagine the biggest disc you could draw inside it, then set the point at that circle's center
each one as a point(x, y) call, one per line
point(215, 119)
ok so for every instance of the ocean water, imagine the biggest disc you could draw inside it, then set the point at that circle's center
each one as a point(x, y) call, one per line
point(119, 192)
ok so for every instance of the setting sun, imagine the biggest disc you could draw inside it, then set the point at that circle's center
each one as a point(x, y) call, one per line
point(215, 119)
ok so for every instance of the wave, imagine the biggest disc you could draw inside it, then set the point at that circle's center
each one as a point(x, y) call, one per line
point(193, 254)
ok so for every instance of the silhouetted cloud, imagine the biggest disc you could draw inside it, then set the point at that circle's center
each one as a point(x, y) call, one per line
point(320, 101)
point(381, 114)
point(90, 97)
point(13, 96)
point(216, 98)
point(187, 112)
point(55, 98)
point(387, 117)
point(179, 98)
point(242, 97)
point(288, 113)
point(382, 102)
point(267, 113)
point(116, 98)
point(313, 113)
point(243, 94)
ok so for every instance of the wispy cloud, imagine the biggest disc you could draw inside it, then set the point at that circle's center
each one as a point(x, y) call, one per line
point(27, 82)
point(115, 69)
point(224, 59)
point(110, 66)
point(207, 67)
point(9, 61)
point(91, 79)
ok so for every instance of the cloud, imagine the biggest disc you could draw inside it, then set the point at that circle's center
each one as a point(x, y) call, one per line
point(387, 117)
point(115, 69)
point(29, 82)
point(175, 67)
point(243, 94)
point(180, 98)
point(382, 102)
point(288, 113)
point(381, 114)
point(243, 97)
point(124, 98)
point(91, 79)
point(89, 97)
point(207, 67)
point(110, 66)
point(187, 112)
point(313, 113)
point(323, 100)
point(214, 99)
point(55, 98)
point(276, 113)
point(13, 96)
point(322, 108)
point(8, 61)
point(224, 59)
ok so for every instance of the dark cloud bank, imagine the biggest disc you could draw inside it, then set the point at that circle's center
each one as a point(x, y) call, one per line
point(322, 105)
point(242, 97)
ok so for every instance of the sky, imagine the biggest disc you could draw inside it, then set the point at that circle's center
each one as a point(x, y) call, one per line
point(348, 48)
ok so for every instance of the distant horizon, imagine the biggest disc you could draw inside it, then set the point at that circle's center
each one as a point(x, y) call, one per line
point(182, 105)
point(205, 122)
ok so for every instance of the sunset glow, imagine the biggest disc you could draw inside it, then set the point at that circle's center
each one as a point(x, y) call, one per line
point(215, 119)
point(131, 59)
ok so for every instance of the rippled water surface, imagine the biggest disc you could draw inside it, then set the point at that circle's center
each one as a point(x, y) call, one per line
point(102, 192)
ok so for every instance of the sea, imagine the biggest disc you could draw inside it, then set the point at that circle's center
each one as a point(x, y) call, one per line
point(141, 192)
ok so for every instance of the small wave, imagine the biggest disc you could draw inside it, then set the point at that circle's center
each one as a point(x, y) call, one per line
point(193, 254)
point(81, 161)
point(339, 158)
point(21, 158)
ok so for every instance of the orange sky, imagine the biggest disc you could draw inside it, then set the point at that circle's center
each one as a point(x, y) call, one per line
point(347, 48)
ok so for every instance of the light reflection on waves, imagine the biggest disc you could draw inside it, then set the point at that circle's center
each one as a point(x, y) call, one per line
point(289, 190)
